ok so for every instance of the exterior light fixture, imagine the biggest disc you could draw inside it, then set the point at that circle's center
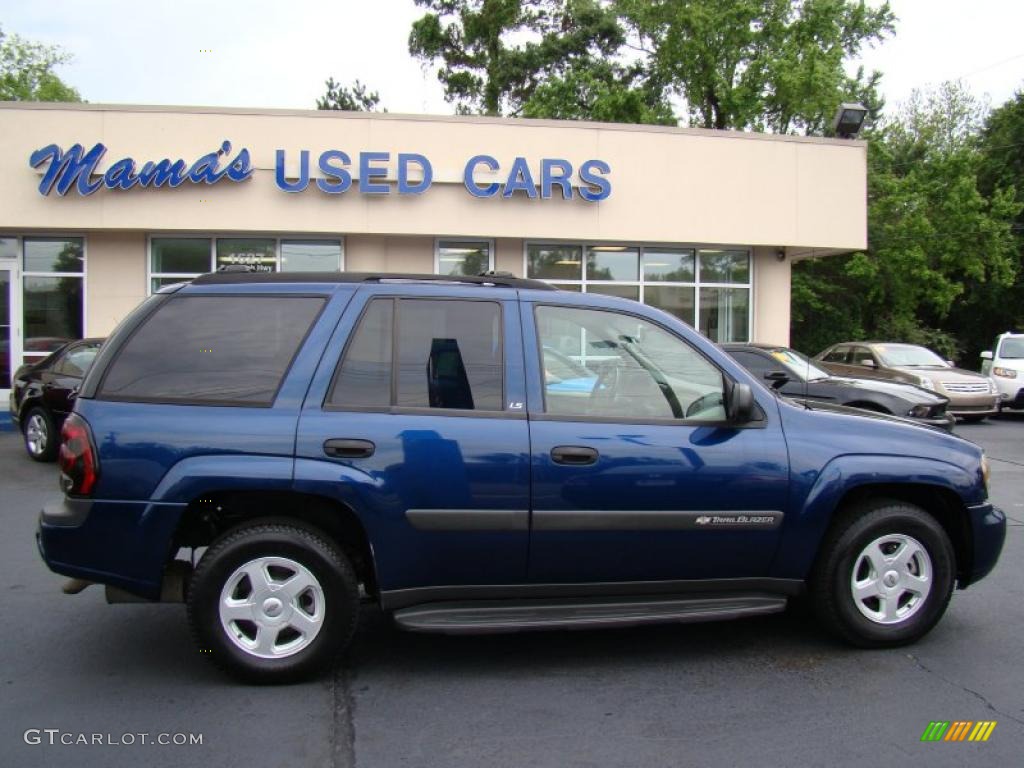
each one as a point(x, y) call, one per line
point(849, 120)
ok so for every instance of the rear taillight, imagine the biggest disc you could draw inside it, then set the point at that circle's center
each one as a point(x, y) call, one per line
point(79, 465)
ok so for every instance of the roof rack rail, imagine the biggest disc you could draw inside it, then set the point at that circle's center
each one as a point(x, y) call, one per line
point(246, 275)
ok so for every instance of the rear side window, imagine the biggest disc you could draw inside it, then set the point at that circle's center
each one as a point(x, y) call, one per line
point(446, 354)
point(218, 350)
point(837, 355)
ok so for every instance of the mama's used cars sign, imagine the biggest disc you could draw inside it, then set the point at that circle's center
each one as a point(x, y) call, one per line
point(369, 173)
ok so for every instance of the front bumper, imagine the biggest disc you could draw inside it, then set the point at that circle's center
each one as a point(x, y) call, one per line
point(946, 421)
point(988, 532)
point(125, 544)
point(971, 405)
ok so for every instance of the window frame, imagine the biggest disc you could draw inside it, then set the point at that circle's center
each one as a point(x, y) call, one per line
point(408, 410)
point(641, 282)
point(214, 237)
point(437, 250)
point(759, 419)
point(98, 393)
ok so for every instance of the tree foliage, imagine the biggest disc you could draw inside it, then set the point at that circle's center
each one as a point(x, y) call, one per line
point(27, 71)
point(759, 64)
point(349, 99)
point(535, 58)
point(934, 238)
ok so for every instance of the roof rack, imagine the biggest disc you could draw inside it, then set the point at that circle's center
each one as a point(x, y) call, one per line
point(490, 279)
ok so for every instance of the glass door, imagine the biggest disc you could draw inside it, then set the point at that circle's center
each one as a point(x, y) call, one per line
point(7, 335)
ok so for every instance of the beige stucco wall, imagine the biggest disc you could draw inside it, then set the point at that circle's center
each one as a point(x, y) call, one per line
point(771, 297)
point(115, 278)
point(668, 184)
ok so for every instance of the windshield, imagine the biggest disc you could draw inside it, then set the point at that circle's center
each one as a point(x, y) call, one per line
point(800, 365)
point(908, 355)
point(1012, 349)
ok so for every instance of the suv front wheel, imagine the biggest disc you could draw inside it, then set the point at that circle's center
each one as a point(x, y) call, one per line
point(885, 575)
point(273, 603)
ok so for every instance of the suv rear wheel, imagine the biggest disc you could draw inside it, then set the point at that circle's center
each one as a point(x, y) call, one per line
point(273, 603)
point(885, 575)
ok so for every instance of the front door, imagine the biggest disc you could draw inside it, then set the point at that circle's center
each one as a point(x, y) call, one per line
point(636, 474)
point(421, 427)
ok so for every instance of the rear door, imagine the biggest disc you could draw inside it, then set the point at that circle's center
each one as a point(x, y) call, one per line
point(636, 475)
point(415, 419)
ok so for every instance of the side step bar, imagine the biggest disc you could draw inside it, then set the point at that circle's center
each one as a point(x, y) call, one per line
point(479, 617)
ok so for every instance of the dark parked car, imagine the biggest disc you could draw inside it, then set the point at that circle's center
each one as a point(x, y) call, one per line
point(317, 441)
point(794, 375)
point(42, 394)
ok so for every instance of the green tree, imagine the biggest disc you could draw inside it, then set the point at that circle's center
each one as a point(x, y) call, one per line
point(535, 58)
point(354, 99)
point(759, 65)
point(933, 236)
point(26, 71)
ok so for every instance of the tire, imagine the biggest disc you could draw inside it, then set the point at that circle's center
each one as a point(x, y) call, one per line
point(40, 433)
point(916, 587)
point(257, 627)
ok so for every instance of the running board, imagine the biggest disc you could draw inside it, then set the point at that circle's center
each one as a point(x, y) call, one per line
point(484, 616)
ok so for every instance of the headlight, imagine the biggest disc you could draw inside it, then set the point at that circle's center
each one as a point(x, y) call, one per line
point(919, 411)
point(1006, 373)
point(985, 471)
point(925, 382)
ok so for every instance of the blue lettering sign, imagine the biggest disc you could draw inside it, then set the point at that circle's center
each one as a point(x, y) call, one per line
point(475, 189)
point(404, 187)
point(368, 172)
point(338, 178)
point(598, 187)
point(279, 177)
point(520, 180)
point(77, 168)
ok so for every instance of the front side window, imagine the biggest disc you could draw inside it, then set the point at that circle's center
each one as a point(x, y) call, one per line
point(463, 258)
point(611, 365)
point(217, 350)
point(837, 355)
point(446, 354)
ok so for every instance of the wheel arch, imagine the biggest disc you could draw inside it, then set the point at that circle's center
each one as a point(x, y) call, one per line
point(216, 512)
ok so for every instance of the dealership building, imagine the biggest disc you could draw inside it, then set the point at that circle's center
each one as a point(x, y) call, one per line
point(101, 205)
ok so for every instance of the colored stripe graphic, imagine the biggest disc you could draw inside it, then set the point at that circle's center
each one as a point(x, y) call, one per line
point(958, 730)
point(982, 730)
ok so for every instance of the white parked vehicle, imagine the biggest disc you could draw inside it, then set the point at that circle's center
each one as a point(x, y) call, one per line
point(1004, 363)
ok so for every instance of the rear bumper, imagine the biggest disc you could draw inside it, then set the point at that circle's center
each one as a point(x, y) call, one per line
point(988, 532)
point(124, 544)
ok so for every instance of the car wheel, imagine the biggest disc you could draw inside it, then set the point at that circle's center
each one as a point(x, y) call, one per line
point(273, 603)
point(41, 438)
point(884, 576)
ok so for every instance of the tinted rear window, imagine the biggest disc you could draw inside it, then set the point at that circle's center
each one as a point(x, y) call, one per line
point(212, 349)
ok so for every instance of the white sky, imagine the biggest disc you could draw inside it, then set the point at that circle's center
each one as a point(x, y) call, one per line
point(274, 53)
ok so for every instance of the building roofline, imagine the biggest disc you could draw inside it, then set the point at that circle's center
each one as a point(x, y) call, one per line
point(386, 116)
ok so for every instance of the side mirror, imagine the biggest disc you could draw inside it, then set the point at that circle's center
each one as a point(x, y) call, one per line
point(778, 379)
point(740, 408)
point(986, 355)
point(867, 362)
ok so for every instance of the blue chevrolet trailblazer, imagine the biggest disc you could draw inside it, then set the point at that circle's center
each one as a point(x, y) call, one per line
point(485, 454)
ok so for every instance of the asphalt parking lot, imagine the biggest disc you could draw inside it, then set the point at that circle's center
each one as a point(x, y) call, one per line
point(769, 691)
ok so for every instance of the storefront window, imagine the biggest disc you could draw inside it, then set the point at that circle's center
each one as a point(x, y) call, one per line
point(310, 255)
point(8, 247)
point(554, 262)
point(52, 293)
point(463, 258)
point(176, 259)
point(669, 265)
point(724, 313)
point(677, 280)
point(260, 253)
point(724, 266)
point(613, 262)
point(181, 255)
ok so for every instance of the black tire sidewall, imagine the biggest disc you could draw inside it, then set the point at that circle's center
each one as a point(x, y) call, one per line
point(330, 567)
point(901, 519)
point(52, 438)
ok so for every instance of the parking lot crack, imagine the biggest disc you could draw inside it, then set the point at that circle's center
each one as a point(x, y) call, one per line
point(343, 734)
point(963, 688)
